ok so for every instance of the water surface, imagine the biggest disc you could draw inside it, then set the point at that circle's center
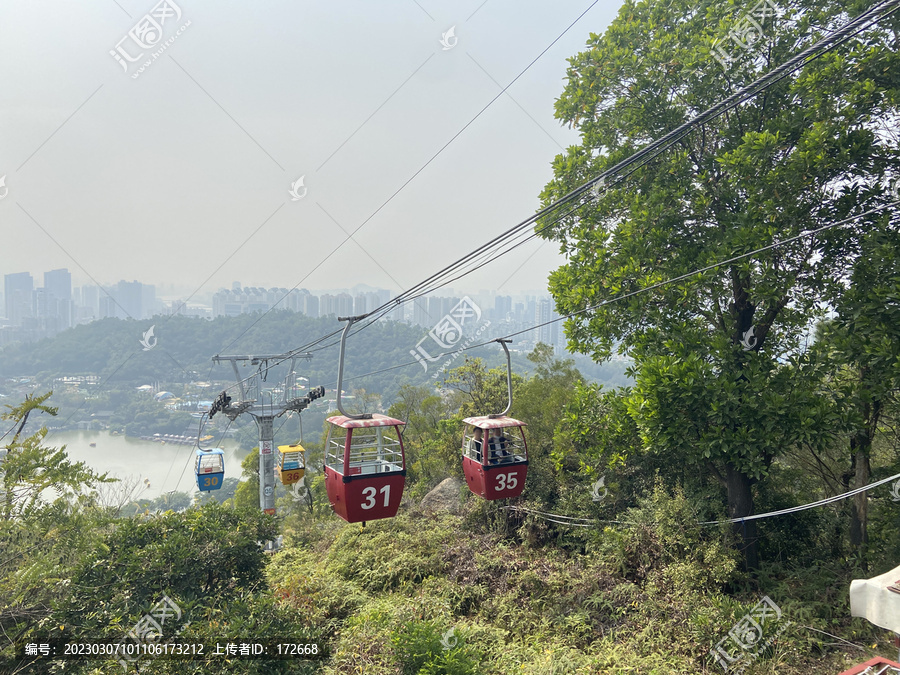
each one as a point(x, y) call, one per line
point(168, 467)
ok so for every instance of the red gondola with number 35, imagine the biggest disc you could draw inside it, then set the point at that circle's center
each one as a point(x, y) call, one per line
point(494, 452)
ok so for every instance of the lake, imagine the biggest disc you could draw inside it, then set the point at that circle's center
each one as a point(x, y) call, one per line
point(168, 467)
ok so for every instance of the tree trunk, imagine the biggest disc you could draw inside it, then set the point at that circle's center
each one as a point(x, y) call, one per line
point(740, 504)
point(860, 451)
point(860, 447)
point(859, 531)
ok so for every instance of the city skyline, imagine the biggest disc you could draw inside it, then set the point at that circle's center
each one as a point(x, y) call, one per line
point(33, 312)
point(383, 159)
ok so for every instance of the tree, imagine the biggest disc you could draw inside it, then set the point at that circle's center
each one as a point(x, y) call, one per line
point(430, 438)
point(207, 561)
point(29, 468)
point(246, 494)
point(484, 391)
point(541, 402)
point(722, 378)
point(40, 538)
point(862, 341)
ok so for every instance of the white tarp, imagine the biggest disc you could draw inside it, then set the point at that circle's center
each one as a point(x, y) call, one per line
point(871, 599)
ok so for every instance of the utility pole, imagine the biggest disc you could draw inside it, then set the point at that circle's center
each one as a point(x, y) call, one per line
point(260, 403)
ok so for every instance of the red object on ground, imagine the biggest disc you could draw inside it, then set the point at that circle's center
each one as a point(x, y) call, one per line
point(876, 665)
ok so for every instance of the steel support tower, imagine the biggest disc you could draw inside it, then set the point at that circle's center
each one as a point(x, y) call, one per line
point(262, 405)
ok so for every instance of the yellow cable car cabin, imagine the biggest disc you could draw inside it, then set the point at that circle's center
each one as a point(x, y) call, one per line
point(291, 464)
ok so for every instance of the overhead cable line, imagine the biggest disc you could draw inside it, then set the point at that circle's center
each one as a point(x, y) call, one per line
point(804, 507)
point(646, 289)
point(860, 23)
point(593, 187)
point(652, 150)
point(588, 522)
point(425, 165)
point(630, 294)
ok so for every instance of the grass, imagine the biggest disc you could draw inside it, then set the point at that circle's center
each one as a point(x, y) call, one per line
point(633, 603)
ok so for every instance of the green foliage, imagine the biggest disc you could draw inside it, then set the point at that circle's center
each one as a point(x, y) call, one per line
point(203, 554)
point(137, 414)
point(664, 544)
point(30, 468)
point(177, 501)
point(317, 596)
point(483, 391)
point(107, 348)
point(710, 394)
point(431, 440)
point(422, 648)
point(246, 495)
point(691, 410)
point(387, 554)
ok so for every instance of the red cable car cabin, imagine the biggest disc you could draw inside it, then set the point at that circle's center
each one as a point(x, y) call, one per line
point(365, 467)
point(495, 456)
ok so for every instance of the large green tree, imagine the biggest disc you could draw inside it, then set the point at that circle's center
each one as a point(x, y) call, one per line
point(862, 343)
point(722, 377)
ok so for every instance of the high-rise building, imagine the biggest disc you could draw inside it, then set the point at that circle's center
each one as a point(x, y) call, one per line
point(344, 304)
point(420, 313)
point(148, 301)
point(398, 313)
point(542, 314)
point(17, 290)
point(107, 307)
point(374, 300)
point(434, 310)
point(502, 307)
point(311, 305)
point(447, 304)
point(90, 301)
point(326, 305)
point(59, 283)
point(130, 298)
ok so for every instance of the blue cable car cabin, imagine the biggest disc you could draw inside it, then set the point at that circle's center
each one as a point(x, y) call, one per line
point(210, 468)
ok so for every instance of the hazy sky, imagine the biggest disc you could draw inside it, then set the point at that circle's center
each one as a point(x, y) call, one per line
point(181, 175)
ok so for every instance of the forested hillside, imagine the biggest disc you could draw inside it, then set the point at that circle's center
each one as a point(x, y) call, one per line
point(111, 349)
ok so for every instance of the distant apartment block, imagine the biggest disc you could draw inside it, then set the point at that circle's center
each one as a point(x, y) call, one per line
point(17, 293)
point(127, 300)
